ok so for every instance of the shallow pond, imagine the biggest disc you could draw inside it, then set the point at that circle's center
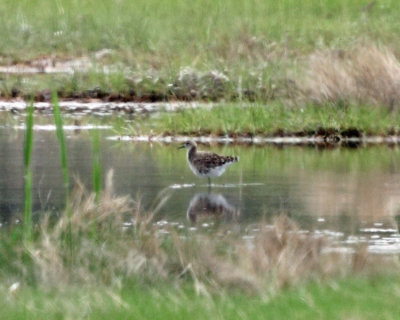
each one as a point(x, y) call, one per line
point(353, 195)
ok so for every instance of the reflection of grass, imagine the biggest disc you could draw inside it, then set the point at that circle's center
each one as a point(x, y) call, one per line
point(268, 160)
point(267, 120)
point(379, 158)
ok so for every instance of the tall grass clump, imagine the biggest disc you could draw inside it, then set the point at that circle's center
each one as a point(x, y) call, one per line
point(28, 173)
point(362, 75)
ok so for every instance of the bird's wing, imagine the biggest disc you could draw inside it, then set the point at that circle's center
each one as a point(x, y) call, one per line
point(212, 160)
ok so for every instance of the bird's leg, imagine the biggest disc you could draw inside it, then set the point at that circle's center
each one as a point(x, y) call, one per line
point(209, 184)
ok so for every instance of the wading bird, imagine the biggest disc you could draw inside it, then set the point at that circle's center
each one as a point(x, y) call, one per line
point(206, 164)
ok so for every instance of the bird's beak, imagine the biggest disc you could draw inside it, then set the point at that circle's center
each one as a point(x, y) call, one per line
point(181, 146)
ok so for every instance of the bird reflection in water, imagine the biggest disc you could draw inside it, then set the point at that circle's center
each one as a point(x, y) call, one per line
point(211, 205)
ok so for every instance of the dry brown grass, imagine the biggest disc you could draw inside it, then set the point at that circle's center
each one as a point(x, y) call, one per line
point(105, 253)
point(103, 250)
point(278, 256)
point(364, 74)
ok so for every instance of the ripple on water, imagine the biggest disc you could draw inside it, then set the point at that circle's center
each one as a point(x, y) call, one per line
point(378, 230)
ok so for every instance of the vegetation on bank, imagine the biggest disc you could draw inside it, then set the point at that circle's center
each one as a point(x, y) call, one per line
point(362, 75)
point(275, 119)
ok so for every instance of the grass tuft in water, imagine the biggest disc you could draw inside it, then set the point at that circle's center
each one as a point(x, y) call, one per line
point(64, 165)
point(28, 173)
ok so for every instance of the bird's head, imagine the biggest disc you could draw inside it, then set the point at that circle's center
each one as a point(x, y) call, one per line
point(188, 145)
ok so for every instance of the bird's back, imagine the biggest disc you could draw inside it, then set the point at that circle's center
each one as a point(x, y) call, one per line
point(210, 164)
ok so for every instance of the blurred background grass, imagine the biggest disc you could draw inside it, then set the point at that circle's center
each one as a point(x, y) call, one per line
point(204, 33)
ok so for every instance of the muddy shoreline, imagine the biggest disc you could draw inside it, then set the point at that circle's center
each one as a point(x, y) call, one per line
point(102, 95)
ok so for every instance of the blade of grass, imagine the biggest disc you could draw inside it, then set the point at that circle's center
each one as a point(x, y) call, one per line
point(28, 174)
point(61, 141)
point(96, 165)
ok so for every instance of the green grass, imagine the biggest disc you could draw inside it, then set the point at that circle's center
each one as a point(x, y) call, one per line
point(270, 119)
point(349, 298)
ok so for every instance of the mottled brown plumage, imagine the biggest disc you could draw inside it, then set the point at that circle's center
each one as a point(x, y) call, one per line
point(206, 164)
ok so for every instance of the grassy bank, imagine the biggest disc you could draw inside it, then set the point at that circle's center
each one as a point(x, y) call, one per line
point(325, 51)
point(273, 119)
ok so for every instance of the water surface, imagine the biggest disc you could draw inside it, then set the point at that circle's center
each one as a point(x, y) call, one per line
point(351, 194)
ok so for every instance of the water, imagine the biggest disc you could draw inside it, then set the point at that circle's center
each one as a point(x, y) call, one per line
point(351, 195)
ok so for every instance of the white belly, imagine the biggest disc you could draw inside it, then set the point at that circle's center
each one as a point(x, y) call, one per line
point(214, 172)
